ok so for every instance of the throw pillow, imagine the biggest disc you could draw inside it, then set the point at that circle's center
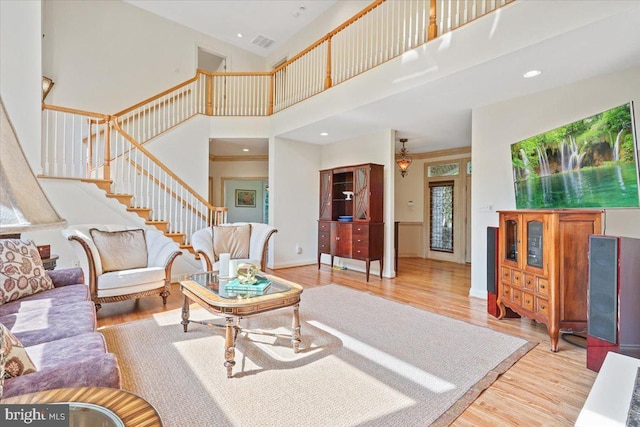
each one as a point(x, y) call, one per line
point(120, 250)
point(21, 270)
point(16, 359)
point(231, 239)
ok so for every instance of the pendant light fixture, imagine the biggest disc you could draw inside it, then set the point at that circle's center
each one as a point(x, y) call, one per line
point(405, 160)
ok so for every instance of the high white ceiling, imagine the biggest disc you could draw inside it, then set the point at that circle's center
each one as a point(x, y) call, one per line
point(277, 20)
point(436, 115)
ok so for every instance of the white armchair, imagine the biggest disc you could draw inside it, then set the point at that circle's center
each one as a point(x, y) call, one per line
point(202, 242)
point(107, 282)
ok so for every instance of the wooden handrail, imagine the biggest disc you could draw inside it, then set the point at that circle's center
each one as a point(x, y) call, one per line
point(354, 18)
point(74, 111)
point(117, 127)
point(237, 73)
point(161, 94)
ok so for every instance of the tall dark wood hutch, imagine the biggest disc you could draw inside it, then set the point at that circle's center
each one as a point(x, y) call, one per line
point(352, 191)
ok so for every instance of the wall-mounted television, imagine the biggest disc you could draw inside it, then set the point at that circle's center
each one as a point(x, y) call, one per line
point(592, 162)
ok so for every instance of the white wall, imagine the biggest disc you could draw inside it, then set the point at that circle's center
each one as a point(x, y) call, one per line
point(496, 127)
point(185, 151)
point(20, 72)
point(293, 200)
point(105, 56)
point(337, 14)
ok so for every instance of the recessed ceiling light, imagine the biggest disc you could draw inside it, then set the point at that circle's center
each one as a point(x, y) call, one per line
point(245, 149)
point(324, 134)
point(239, 35)
point(531, 73)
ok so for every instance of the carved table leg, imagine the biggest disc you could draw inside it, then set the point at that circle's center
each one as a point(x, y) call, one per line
point(295, 338)
point(185, 312)
point(229, 347)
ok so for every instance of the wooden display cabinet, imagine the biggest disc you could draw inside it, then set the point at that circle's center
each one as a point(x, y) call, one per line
point(355, 191)
point(543, 266)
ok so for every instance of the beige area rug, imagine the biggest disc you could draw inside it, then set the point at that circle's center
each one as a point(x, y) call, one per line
point(364, 360)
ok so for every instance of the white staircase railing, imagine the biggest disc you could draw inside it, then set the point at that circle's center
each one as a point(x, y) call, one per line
point(90, 146)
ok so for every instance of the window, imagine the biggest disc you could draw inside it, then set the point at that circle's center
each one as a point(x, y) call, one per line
point(441, 214)
point(449, 169)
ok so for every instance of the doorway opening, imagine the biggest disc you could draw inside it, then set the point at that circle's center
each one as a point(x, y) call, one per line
point(210, 61)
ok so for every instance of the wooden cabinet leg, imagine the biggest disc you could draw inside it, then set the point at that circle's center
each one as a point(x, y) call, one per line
point(368, 261)
point(503, 311)
point(554, 332)
point(332, 256)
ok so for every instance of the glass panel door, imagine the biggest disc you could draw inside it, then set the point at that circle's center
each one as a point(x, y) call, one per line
point(441, 213)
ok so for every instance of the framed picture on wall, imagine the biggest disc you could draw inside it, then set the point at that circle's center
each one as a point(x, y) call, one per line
point(245, 198)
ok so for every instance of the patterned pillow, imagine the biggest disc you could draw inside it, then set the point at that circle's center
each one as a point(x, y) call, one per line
point(21, 270)
point(16, 359)
point(231, 239)
point(120, 250)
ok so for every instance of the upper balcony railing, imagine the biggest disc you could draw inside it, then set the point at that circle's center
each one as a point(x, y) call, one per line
point(382, 31)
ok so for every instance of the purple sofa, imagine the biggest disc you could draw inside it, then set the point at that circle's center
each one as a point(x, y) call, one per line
point(58, 330)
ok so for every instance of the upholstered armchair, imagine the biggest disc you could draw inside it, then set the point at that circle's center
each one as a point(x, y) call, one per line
point(211, 241)
point(121, 262)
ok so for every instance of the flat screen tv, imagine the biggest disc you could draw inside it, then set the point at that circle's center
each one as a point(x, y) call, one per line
point(588, 163)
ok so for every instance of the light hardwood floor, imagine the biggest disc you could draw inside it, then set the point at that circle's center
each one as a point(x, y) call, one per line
point(541, 389)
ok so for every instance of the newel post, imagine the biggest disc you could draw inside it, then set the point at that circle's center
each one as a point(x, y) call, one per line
point(209, 89)
point(432, 32)
point(327, 80)
point(106, 170)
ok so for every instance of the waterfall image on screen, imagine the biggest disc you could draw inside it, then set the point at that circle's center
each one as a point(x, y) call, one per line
point(588, 163)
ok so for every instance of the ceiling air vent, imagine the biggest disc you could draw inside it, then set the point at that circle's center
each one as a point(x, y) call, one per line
point(262, 41)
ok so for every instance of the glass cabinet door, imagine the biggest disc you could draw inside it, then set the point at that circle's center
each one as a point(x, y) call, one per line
point(535, 242)
point(361, 196)
point(511, 239)
point(325, 195)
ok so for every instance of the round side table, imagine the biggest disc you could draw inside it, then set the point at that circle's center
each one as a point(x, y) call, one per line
point(132, 410)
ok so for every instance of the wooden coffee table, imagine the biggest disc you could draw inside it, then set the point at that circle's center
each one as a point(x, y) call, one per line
point(207, 290)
